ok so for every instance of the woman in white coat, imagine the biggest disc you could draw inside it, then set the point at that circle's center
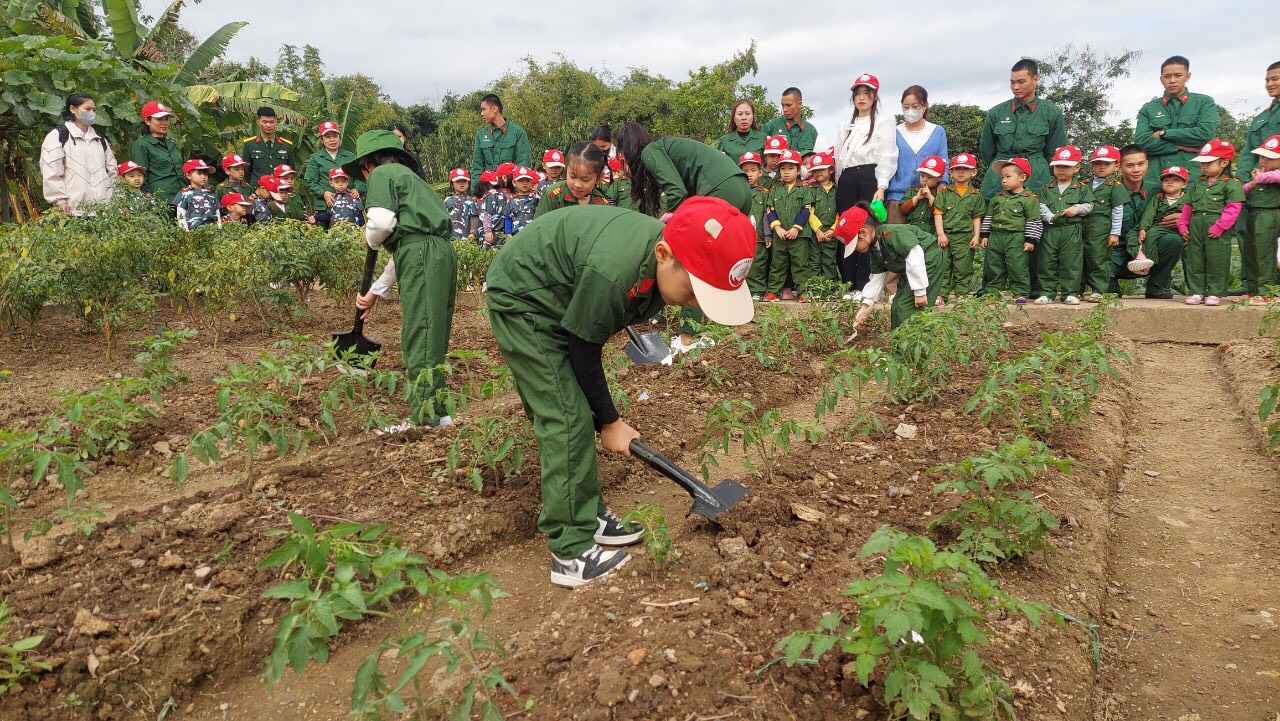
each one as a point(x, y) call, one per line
point(866, 159)
point(76, 163)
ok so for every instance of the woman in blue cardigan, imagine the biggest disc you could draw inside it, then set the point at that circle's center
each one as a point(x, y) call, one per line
point(917, 139)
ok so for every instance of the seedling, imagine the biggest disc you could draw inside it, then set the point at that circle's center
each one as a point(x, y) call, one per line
point(493, 445)
point(864, 368)
point(15, 667)
point(658, 546)
point(767, 436)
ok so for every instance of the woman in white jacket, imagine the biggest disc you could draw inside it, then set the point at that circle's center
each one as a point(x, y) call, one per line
point(76, 163)
point(866, 159)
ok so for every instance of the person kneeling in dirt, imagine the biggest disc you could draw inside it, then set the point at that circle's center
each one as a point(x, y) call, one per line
point(575, 278)
point(895, 250)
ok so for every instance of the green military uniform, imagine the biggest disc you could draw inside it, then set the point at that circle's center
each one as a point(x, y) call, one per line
point(1187, 120)
point(1021, 130)
point(758, 278)
point(1007, 264)
point(427, 272)
point(1262, 227)
point(163, 161)
point(508, 143)
point(1107, 195)
point(888, 254)
point(1160, 277)
point(1264, 125)
point(1207, 260)
point(315, 176)
point(1061, 256)
point(226, 187)
point(823, 257)
point(958, 211)
point(681, 167)
point(557, 196)
point(589, 272)
point(789, 255)
point(735, 144)
point(1158, 237)
point(800, 134)
point(619, 193)
point(264, 156)
point(921, 215)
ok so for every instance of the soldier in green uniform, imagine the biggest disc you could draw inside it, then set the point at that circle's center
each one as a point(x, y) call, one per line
point(1025, 126)
point(499, 141)
point(895, 251)
point(159, 155)
point(1264, 125)
point(1105, 222)
point(1212, 206)
point(823, 252)
point(234, 166)
point(1132, 199)
point(407, 217)
point(572, 281)
point(1010, 231)
point(788, 217)
point(742, 135)
point(266, 151)
point(315, 175)
point(1262, 204)
point(1172, 127)
point(800, 134)
point(1064, 204)
point(957, 215)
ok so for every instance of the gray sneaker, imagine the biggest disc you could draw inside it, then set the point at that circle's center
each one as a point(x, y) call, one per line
point(596, 562)
point(612, 531)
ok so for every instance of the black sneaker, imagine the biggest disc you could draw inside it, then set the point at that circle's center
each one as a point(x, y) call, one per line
point(1160, 296)
point(611, 531)
point(593, 564)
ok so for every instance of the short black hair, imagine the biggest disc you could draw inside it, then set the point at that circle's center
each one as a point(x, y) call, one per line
point(1274, 66)
point(1176, 60)
point(74, 100)
point(266, 111)
point(493, 100)
point(1027, 64)
point(1132, 149)
point(793, 91)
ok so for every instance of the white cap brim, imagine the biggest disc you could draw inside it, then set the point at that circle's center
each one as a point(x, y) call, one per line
point(1206, 158)
point(726, 307)
point(964, 167)
point(928, 171)
point(1274, 155)
point(819, 167)
point(849, 247)
point(1065, 162)
point(553, 164)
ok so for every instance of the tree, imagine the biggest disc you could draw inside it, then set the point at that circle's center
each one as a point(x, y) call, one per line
point(1079, 81)
point(963, 124)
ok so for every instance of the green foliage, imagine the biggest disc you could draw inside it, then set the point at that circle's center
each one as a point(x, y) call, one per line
point(1270, 398)
point(770, 344)
point(964, 130)
point(764, 436)
point(362, 390)
point(493, 446)
point(83, 517)
point(999, 518)
point(918, 629)
point(155, 362)
point(463, 382)
point(47, 452)
point(1080, 82)
point(473, 262)
point(923, 349)
point(855, 371)
point(658, 546)
point(15, 667)
point(99, 420)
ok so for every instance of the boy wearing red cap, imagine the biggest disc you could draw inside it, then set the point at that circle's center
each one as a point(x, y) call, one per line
point(1064, 204)
point(235, 209)
point(957, 220)
point(493, 205)
point(774, 147)
point(553, 166)
point(1102, 226)
point(823, 250)
point(523, 204)
point(1262, 208)
point(894, 250)
point(233, 165)
point(195, 205)
point(788, 217)
point(464, 214)
point(1152, 228)
point(752, 164)
point(1010, 231)
point(345, 206)
point(1212, 205)
point(315, 175)
point(575, 279)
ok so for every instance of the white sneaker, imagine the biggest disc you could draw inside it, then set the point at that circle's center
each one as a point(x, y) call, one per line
point(396, 428)
point(1043, 300)
point(594, 563)
point(1071, 300)
point(677, 347)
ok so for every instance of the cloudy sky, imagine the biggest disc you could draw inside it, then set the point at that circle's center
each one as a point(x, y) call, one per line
point(418, 50)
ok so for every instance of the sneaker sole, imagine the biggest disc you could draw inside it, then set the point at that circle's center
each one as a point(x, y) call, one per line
point(566, 581)
point(624, 540)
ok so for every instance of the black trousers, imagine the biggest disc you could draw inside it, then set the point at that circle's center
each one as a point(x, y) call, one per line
point(856, 184)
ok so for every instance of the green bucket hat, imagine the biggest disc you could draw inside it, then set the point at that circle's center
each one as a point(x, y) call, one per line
point(372, 141)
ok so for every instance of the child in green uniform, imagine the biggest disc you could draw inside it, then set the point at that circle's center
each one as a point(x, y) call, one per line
point(1169, 202)
point(1262, 205)
point(581, 186)
point(957, 221)
point(917, 204)
point(1212, 206)
point(406, 216)
point(233, 165)
point(1064, 203)
point(788, 217)
point(1010, 231)
point(822, 219)
point(895, 250)
point(619, 189)
point(572, 281)
point(753, 165)
point(1103, 224)
point(553, 167)
point(774, 146)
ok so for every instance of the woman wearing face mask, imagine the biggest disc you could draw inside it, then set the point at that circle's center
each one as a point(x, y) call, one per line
point(76, 163)
point(917, 139)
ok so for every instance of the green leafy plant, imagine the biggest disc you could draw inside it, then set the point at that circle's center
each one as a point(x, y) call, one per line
point(463, 382)
point(37, 452)
point(765, 436)
point(495, 446)
point(998, 517)
point(155, 362)
point(1270, 398)
point(658, 546)
point(363, 390)
point(918, 628)
point(100, 419)
point(83, 517)
point(15, 667)
point(770, 345)
point(864, 368)
point(473, 263)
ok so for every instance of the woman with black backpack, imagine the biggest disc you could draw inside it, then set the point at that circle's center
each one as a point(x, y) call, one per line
point(76, 164)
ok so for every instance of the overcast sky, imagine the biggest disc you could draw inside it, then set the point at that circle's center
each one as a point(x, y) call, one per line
point(417, 51)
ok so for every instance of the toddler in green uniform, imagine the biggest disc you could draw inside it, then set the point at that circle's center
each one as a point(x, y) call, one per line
point(788, 217)
point(1262, 205)
point(824, 248)
point(895, 251)
point(553, 168)
point(1064, 203)
point(774, 147)
point(581, 186)
point(1169, 202)
point(233, 165)
point(917, 204)
point(753, 165)
point(1103, 225)
point(957, 222)
point(1010, 230)
point(1212, 205)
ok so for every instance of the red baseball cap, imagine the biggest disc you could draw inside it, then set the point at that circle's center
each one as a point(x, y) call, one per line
point(964, 160)
point(327, 127)
point(1106, 154)
point(489, 176)
point(615, 164)
point(868, 80)
point(525, 172)
point(338, 173)
point(1270, 148)
point(715, 242)
point(776, 144)
point(934, 165)
point(553, 159)
point(750, 157)
point(231, 199)
point(790, 156)
point(459, 174)
point(128, 166)
point(283, 170)
point(1177, 171)
point(155, 110)
point(1066, 155)
point(269, 183)
point(196, 164)
point(1023, 164)
point(1215, 150)
point(506, 169)
point(847, 227)
point(232, 161)
point(818, 161)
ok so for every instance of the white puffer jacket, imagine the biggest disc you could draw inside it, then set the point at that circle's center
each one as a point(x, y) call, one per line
point(81, 171)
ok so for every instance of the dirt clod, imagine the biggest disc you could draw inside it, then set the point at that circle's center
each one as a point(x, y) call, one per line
point(90, 625)
point(40, 552)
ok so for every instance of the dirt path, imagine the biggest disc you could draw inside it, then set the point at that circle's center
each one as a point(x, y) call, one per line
point(1195, 586)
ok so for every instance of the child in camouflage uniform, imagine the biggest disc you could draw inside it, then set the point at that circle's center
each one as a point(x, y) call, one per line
point(553, 166)
point(464, 213)
point(346, 206)
point(195, 205)
point(521, 207)
point(495, 201)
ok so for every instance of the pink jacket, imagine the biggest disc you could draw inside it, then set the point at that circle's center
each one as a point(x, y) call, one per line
point(1224, 223)
point(1270, 176)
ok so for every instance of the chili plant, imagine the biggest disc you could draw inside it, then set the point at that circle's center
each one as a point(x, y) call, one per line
point(765, 436)
point(658, 546)
point(865, 367)
point(496, 445)
point(15, 667)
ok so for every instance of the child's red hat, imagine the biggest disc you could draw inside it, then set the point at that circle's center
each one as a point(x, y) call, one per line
point(776, 144)
point(847, 227)
point(338, 173)
point(196, 164)
point(283, 170)
point(750, 157)
point(818, 161)
point(1177, 171)
point(964, 160)
point(1022, 163)
point(459, 174)
point(524, 172)
point(1067, 155)
point(1106, 154)
point(1270, 148)
point(715, 242)
point(790, 156)
point(1215, 150)
point(128, 166)
point(231, 199)
point(233, 161)
point(553, 159)
point(933, 165)
point(506, 169)
point(489, 176)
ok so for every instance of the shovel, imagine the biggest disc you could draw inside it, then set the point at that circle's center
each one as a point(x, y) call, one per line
point(707, 502)
point(355, 341)
point(646, 348)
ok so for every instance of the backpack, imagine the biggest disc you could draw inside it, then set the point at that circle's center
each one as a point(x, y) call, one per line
point(64, 135)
